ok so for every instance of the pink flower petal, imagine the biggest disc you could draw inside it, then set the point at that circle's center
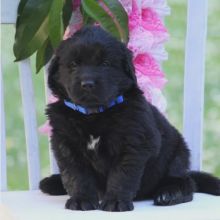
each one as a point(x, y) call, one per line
point(145, 65)
point(159, 6)
point(127, 5)
point(45, 129)
point(75, 24)
point(52, 99)
point(140, 41)
point(76, 4)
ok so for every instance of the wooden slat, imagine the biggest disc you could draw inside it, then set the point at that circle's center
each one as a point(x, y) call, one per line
point(194, 78)
point(30, 123)
point(53, 163)
point(3, 168)
point(9, 11)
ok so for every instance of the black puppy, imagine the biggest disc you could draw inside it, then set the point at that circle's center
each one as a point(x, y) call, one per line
point(109, 142)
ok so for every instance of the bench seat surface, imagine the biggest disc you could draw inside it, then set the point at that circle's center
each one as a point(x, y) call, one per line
point(34, 205)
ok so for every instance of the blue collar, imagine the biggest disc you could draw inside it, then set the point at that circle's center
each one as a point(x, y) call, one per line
point(88, 111)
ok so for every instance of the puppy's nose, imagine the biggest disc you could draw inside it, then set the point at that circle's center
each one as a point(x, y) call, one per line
point(88, 84)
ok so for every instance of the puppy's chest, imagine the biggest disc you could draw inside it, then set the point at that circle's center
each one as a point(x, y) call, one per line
point(101, 152)
point(95, 146)
point(93, 143)
point(94, 138)
point(97, 153)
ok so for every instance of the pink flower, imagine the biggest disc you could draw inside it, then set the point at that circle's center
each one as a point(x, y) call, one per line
point(151, 22)
point(145, 65)
point(146, 37)
point(159, 6)
point(46, 129)
point(127, 5)
point(76, 4)
point(75, 23)
point(152, 94)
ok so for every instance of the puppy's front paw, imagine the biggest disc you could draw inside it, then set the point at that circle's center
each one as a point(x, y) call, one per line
point(81, 204)
point(116, 205)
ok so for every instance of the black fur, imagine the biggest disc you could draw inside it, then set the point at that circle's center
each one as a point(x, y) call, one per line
point(139, 154)
point(52, 185)
point(205, 182)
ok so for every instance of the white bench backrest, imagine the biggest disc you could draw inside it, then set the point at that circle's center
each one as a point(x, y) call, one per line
point(9, 13)
point(193, 93)
point(194, 78)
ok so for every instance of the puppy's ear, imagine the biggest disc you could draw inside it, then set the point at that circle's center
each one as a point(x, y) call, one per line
point(54, 68)
point(128, 65)
point(53, 75)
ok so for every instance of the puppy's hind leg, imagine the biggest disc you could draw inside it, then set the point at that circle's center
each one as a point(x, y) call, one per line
point(52, 185)
point(175, 190)
point(177, 186)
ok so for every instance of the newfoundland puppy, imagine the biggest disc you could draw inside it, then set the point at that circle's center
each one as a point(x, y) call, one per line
point(111, 145)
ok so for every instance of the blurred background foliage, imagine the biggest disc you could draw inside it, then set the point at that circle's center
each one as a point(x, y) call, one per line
point(173, 67)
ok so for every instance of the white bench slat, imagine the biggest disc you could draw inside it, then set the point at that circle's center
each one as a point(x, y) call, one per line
point(30, 122)
point(53, 164)
point(194, 78)
point(3, 165)
point(9, 11)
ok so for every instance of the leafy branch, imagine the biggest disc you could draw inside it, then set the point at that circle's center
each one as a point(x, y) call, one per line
point(41, 24)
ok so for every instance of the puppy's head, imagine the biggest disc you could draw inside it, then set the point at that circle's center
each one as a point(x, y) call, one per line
point(91, 68)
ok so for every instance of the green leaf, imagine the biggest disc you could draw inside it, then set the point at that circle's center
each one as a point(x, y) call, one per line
point(67, 12)
point(31, 27)
point(87, 20)
point(44, 54)
point(21, 5)
point(120, 17)
point(56, 22)
point(95, 11)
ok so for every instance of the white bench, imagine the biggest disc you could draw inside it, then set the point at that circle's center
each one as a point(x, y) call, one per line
point(32, 204)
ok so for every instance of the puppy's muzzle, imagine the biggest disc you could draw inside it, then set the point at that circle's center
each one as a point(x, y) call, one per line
point(87, 85)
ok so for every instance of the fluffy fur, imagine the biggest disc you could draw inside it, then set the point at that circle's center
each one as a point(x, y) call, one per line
point(139, 155)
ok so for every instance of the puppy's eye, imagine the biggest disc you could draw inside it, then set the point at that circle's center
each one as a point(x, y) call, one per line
point(106, 63)
point(73, 65)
